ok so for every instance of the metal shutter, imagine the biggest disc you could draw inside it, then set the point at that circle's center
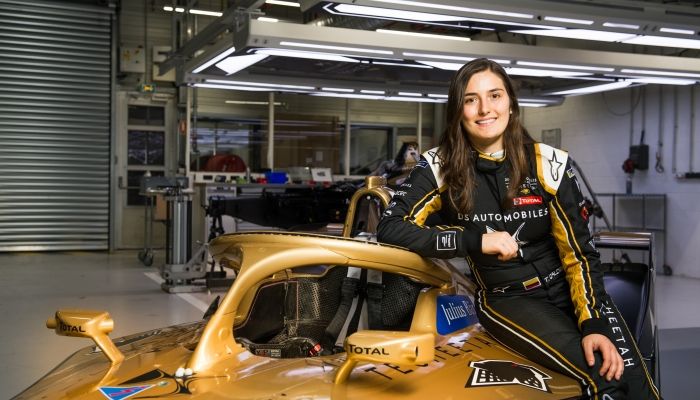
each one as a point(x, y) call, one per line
point(55, 103)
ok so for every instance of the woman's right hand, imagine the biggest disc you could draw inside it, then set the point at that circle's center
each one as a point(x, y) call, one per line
point(500, 243)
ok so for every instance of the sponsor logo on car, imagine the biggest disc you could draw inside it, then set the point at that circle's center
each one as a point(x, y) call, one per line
point(454, 313)
point(120, 393)
point(503, 372)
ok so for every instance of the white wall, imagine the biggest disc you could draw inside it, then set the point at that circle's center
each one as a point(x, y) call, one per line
point(596, 132)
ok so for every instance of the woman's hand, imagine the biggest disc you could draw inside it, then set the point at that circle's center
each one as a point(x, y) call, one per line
point(613, 366)
point(500, 243)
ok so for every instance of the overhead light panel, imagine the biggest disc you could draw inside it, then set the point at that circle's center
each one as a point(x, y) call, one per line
point(569, 20)
point(231, 65)
point(336, 48)
point(620, 25)
point(231, 87)
point(678, 31)
point(366, 91)
point(271, 86)
point(438, 56)
point(665, 41)
point(176, 9)
point(332, 89)
point(268, 19)
point(283, 3)
point(205, 12)
point(593, 89)
point(252, 103)
point(543, 72)
point(312, 55)
point(399, 64)
point(414, 94)
point(526, 104)
point(390, 13)
point(349, 95)
point(566, 66)
point(425, 35)
point(659, 73)
point(664, 81)
point(214, 60)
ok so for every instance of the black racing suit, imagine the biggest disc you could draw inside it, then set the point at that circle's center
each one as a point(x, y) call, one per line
point(544, 301)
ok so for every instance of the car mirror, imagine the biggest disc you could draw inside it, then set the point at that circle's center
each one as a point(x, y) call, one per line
point(399, 348)
point(89, 324)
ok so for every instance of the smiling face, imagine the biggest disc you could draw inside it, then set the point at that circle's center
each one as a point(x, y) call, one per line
point(486, 111)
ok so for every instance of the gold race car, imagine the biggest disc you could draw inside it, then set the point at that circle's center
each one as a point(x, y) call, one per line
point(309, 316)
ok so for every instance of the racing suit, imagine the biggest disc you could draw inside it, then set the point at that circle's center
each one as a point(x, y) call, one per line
point(543, 302)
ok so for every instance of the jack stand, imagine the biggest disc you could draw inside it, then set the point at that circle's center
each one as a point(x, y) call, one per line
point(180, 278)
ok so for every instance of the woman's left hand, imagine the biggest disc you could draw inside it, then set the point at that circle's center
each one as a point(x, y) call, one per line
point(613, 366)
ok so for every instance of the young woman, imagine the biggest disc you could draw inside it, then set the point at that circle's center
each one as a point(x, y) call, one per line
point(516, 213)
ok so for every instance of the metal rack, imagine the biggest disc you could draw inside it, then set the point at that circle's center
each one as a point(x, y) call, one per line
point(643, 222)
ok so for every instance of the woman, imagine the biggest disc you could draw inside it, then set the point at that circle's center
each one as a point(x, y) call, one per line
point(516, 214)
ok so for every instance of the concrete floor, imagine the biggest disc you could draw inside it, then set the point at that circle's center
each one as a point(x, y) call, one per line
point(34, 285)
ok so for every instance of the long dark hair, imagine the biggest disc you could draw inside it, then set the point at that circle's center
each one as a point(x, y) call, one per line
point(458, 154)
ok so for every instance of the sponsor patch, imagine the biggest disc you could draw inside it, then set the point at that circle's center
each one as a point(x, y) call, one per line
point(120, 393)
point(447, 240)
point(503, 372)
point(584, 213)
point(570, 173)
point(454, 313)
point(527, 200)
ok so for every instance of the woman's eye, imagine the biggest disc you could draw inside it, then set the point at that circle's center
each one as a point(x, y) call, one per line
point(470, 100)
point(496, 95)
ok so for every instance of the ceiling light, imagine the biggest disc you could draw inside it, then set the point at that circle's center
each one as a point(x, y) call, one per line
point(664, 81)
point(665, 41)
point(372, 91)
point(214, 60)
point(442, 65)
point(593, 89)
point(231, 87)
point(457, 8)
point(543, 72)
point(264, 84)
point(526, 104)
point(438, 56)
point(661, 73)
point(427, 35)
point(205, 12)
point(305, 54)
point(569, 66)
point(437, 96)
point(401, 65)
point(414, 99)
point(252, 103)
point(621, 26)
point(587, 34)
point(678, 31)
point(268, 19)
point(340, 48)
point(177, 9)
point(390, 13)
point(348, 95)
point(283, 3)
point(409, 94)
point(232, 65)
point(330, 89)
point(569, 20)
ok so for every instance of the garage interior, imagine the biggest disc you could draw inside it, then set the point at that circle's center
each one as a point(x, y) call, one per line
point(99, 97)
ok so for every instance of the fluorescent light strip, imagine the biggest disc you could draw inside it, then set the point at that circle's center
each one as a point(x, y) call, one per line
point(442, 65)
point(457, 8)
point(252, 103)
point(231, 87)
point(593, 89)
point(526, 104)
point(205, 12)
point(268, 19)
point(438, 56)
point(569, 20)
point(231, 65)
point(177, 9)
point(341, 48)
point(305, 54)
point(438, 96)
point(414, 99)
point(270, 85)
point(543, 72)
point(283, 3)
point(664, 41)
point(659, 73)
point(390, 13)
point(664, 81)
point(347, 95)
point(401, 65)
point(678, 31)
point(214, 60)
point(619, 25)
point(426, 35)
point(586, 34)
point(414, 94)
point(372, 91)
point(569, 66)
point(331, 89)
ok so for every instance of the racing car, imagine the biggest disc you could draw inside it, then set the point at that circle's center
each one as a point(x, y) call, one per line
point(309, 317)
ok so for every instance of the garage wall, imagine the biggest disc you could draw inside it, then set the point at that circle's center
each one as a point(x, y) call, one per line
point(596, 131)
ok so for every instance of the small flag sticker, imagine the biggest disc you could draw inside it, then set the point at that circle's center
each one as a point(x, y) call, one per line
point(120, 393)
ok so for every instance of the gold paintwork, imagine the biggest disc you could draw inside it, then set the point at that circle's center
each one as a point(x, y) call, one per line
point(90, 324)
point(374, 186)
point(419, 364)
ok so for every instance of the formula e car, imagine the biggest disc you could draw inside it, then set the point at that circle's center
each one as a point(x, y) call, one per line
point(309, 317)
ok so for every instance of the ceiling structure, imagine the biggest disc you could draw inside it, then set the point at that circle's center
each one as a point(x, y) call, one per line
point(408, 49)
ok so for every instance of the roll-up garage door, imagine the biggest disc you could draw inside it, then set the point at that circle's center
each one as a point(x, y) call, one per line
point(55, 102)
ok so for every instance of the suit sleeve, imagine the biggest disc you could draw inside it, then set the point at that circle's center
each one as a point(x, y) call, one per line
point(580, 259)
point(403, 222)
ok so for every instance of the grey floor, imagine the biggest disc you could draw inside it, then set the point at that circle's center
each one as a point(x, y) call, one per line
point(34, 285)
